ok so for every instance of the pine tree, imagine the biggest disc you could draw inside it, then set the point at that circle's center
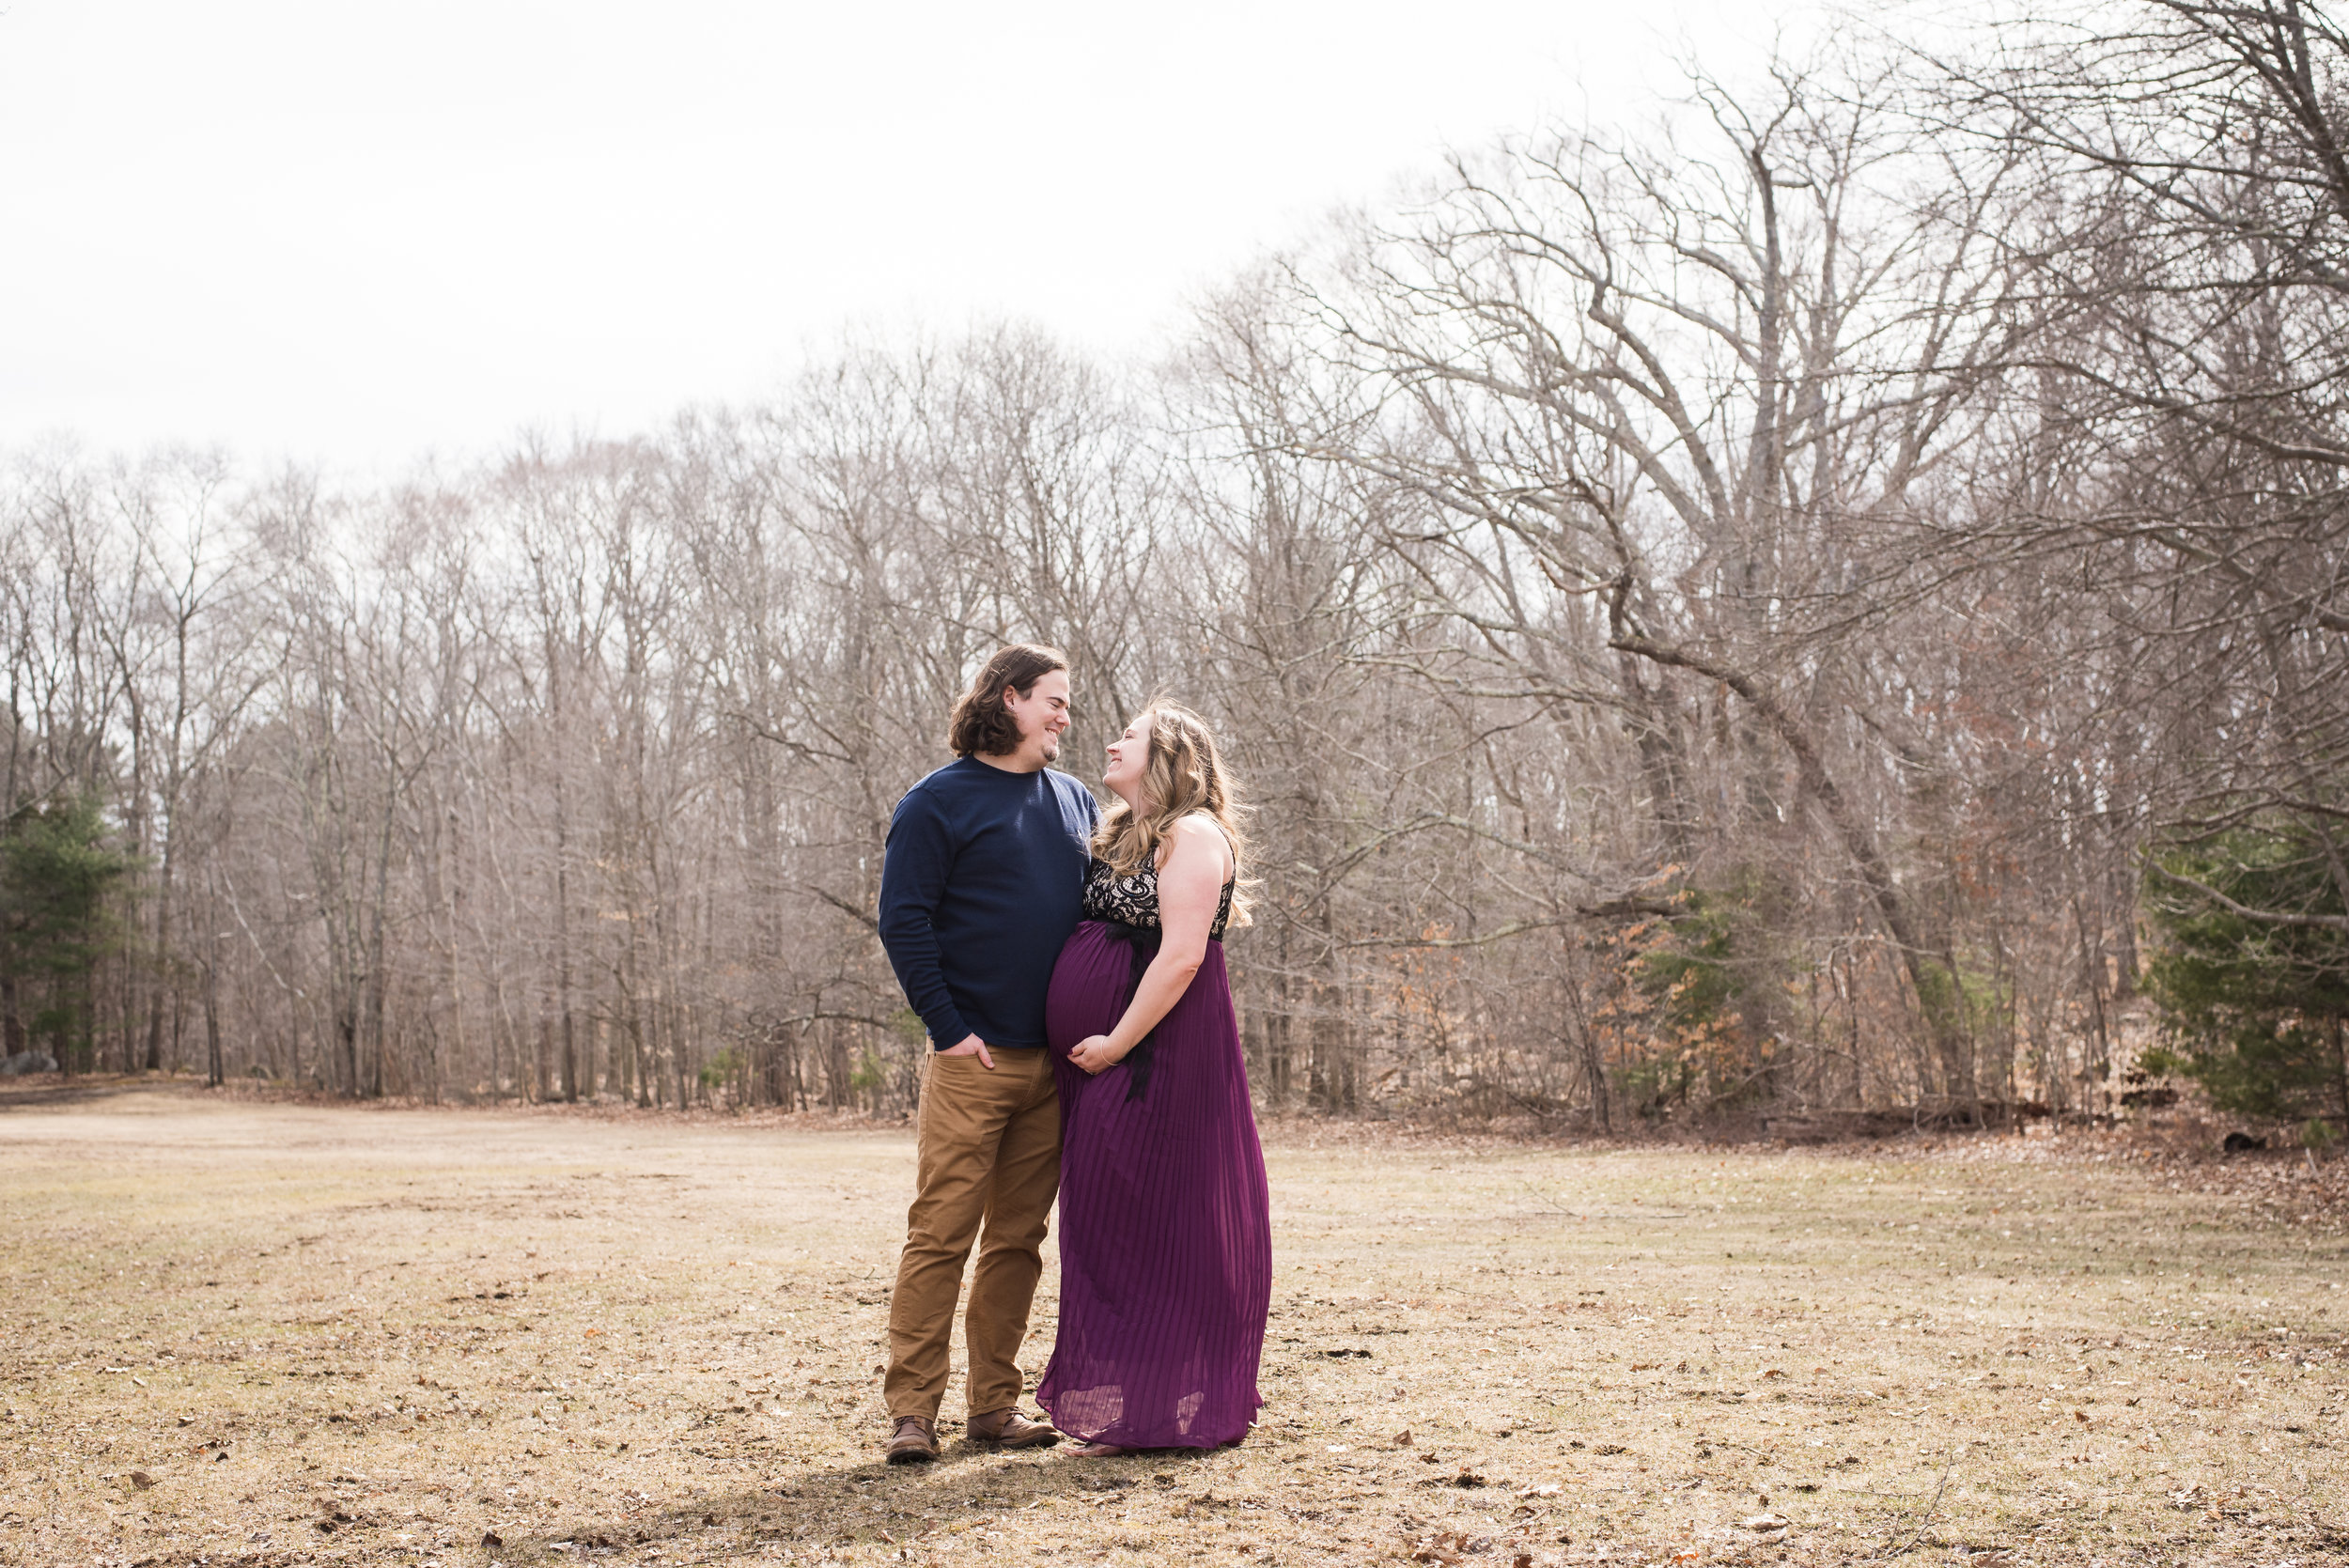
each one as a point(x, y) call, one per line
point(58, 871)
point(2253, 970)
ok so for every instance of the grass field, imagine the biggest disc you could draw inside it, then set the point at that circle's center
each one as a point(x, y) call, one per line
point(269, 1334)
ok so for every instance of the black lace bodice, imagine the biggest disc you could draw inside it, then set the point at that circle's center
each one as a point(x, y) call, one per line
point(1134, 900)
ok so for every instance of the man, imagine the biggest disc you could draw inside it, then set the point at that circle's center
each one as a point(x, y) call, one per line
point(982, 882)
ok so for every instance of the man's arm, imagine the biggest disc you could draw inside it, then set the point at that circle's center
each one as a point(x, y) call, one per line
point(914, 864)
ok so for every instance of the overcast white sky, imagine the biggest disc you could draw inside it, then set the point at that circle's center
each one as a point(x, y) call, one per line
point(355, 234)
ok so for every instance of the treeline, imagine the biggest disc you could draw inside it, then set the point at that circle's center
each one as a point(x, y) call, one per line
point(1776, 608)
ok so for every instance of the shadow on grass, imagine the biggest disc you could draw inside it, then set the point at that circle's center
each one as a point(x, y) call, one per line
point(873, 1504)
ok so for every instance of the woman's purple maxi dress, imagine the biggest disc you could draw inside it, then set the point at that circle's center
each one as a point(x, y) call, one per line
point(1165, 1219)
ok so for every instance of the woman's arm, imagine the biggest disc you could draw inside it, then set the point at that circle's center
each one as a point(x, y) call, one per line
point(1190, 886)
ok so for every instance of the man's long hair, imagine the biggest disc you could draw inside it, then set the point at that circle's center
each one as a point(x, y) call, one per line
point(981, 722)
point(1184, 774)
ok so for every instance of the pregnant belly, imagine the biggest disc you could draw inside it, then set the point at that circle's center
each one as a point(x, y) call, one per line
point(1088, 994)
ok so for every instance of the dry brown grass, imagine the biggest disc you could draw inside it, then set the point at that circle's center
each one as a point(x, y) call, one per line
point(635, 1339)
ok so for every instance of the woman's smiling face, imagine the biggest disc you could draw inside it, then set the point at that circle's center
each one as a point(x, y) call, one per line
point(1129, 756)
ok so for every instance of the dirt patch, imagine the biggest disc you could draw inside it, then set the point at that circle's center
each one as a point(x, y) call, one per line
point(275, 1334)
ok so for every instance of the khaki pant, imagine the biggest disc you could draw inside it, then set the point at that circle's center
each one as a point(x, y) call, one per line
point(990, 1151)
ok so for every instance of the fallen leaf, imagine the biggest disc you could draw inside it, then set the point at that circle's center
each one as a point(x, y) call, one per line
point(1403, 1438)
point(1766, 1522)
point(141, 1480)
point(491, 1538)
point(1607, 1447)
point(1445, 1548)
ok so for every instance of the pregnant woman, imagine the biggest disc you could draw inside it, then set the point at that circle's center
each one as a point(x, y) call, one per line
point(1166, 1231)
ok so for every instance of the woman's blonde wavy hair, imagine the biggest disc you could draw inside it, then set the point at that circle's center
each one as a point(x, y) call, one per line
point(1184, 774)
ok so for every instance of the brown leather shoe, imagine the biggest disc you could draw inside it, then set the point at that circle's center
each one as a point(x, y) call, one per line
point(914, 1442)
point(1010, 1429)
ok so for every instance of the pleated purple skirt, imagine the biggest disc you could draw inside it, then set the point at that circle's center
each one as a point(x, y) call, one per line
point(1165, 1219)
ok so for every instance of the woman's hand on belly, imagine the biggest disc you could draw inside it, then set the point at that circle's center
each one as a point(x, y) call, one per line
point(1094, 1054)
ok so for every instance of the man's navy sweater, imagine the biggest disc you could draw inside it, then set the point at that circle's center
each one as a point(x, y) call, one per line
point(982, 882)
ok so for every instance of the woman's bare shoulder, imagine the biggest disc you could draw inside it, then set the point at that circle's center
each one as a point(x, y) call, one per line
point(1202, 830)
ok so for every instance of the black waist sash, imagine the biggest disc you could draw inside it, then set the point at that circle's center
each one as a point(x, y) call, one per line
point(1141, 945)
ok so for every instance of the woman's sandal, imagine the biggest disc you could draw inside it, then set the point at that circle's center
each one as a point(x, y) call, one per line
point(1099, 1451)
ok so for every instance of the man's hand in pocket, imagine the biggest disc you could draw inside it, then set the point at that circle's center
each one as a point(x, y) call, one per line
point(971, 1046)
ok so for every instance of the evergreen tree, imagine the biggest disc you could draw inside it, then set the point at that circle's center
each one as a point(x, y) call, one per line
point(2253, 970)
point(57, 872)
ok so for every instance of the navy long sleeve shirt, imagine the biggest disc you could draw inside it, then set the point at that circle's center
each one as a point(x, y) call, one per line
point(982, 882)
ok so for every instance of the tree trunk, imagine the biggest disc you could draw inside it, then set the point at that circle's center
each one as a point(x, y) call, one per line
point(215, 1064)
point(12, 1036)
point(163, 987)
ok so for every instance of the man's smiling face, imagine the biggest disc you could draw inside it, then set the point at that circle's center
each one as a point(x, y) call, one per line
point(1042, 716)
